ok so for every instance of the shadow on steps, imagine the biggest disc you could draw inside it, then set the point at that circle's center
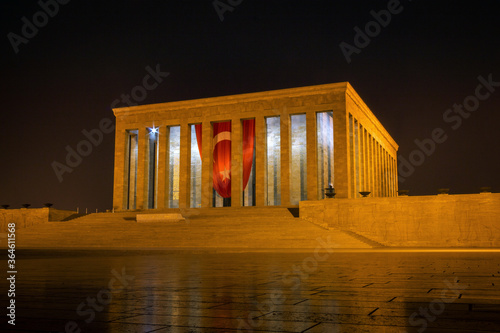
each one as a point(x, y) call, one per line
point(294, 211)
point(72, 217)
point(363, 239)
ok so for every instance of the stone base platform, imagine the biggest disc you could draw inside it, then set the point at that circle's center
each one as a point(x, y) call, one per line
point(219, 229)
point(173, 217)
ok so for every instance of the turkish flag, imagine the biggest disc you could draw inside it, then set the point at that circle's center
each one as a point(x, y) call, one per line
point(222, 158)
point(197, 128)
point(248, 149)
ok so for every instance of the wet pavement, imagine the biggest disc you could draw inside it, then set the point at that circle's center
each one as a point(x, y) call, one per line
point(321, 291)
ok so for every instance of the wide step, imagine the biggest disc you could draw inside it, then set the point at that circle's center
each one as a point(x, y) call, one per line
point(243, 228)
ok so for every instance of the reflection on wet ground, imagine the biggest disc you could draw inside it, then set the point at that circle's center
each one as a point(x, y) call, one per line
point(120, 291)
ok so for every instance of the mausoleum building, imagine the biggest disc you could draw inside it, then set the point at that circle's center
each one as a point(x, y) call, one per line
point(272, 148)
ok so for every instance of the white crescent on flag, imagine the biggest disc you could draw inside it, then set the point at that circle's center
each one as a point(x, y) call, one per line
point(221, 137)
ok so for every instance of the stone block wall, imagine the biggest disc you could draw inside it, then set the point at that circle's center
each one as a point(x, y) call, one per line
point(27, 217)
point(23, 217)
point(465, 220)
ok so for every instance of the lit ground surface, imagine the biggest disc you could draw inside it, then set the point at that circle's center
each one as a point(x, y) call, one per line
point(218, 292)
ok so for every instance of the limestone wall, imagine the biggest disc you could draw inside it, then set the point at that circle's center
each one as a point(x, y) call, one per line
point(466, 220)
point(23, 217)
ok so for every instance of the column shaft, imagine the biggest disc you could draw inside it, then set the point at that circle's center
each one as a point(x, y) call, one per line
point(341, 156)
point(396, 184)
point(368, 162)
point(359, 180)
point(384, 169)
point(119, 189)
point(378, 169)
point(236, 162)
point(363, 185)
point(386, 186)
point(206, 164)
point(162, 167)
point(312, 164)
point(372, 178)
point(388, 174)
point(393, 184)
point(260, 161)
point(382, 184)
point(285, 158)
point(391, 179)
point(167, 167)
point(185, 166)
point(142, 169)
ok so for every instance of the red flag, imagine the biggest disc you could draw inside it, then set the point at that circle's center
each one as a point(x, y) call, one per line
point(248, 149)
point(197, 128)
point(222, 158)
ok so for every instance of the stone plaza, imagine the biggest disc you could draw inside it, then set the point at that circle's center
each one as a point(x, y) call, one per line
point(342, 291)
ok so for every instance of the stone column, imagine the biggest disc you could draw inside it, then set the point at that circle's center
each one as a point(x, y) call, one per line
point(368, 162)
point(375, 168)
point(142, 169)
point(382, 161)
point(386, 168)
point(341, 156)
point(394, 177)
point(372, 165)
point(388, 174)
point(236, 162)
point(379, 169)
point(362, 178)
point(382, 170)
point(119, 188)
point(185, 166)
point(386, 183)
point(391, 174)
point(312, 164)
point(359, 174)
point(382, 180)
point(206, 164)
point(396, 184)
point(167, 167)
point(362, 159)
point(260, 161)
point(285, 158)
point(162, 167)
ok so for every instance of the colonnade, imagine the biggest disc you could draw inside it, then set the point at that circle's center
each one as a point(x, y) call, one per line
point(373, 167)
point(363, 153)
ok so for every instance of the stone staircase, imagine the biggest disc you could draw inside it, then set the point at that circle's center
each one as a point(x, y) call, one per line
point(246, 228)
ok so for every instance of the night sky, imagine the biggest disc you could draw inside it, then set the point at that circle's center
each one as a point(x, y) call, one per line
point(64, 79)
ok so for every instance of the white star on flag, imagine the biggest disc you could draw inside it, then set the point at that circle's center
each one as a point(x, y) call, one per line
point(225, 174)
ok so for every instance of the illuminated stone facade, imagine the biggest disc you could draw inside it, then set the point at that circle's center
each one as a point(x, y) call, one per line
point(305, 139)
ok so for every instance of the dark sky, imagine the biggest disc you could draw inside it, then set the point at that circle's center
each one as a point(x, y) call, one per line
point(63, 79)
